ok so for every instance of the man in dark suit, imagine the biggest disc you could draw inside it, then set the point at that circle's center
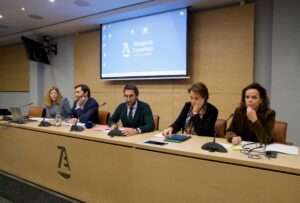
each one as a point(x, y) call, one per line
point(134, 114)
point(85, 108)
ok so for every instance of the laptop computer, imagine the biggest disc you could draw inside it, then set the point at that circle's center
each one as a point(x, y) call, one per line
point(17, 116)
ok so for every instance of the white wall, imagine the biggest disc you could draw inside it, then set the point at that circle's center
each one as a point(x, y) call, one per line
point(285, 76)
point(61, 71)
point(263, 43)
point(8, 99)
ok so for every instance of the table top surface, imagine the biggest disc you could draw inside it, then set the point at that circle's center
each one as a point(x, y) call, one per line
point(190, 148)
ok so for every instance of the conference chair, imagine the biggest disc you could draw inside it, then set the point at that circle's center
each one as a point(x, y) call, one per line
point(36, 111)
point(279, 132)
point(156, 121)
point(103, 117)
point(220, 127)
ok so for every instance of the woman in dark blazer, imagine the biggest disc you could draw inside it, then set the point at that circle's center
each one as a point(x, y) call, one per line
point(253, 120)
point(197, 117)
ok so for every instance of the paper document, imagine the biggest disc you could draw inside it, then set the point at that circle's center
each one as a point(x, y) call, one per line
point(159, 135)
point(40, 119)
point(287, 149)
point(101, 128)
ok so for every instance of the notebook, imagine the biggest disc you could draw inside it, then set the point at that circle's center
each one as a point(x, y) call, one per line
point(177, 138)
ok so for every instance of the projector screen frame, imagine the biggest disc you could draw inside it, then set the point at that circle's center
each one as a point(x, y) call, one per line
point(151, 77)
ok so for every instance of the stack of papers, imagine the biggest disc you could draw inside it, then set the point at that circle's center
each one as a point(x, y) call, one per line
point(287, 149)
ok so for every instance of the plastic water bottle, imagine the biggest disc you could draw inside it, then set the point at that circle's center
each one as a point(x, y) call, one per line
point(58, 119)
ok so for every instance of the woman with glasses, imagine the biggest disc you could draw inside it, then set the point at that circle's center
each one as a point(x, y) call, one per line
point(253, 120)
point(197, 117)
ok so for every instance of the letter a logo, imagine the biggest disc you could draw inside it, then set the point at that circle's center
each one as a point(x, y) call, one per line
point(64, 169)
point(126, 51)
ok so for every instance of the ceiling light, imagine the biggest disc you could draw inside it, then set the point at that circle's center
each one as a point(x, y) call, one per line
point(52, 0)
point(23, 9)
point(1, 16)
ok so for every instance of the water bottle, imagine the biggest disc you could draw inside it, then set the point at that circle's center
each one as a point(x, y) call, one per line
point(58, 119)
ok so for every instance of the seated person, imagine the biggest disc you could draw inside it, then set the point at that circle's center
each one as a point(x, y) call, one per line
point(253, 120)
point(134, 114)
point(197, 117)
point(85, 108)
point(55, 103)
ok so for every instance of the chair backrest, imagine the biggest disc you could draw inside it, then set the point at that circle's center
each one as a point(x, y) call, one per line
point(103, 117)
point(156, 121)
point(220, 127)
point(279, 132)
point(36, 111)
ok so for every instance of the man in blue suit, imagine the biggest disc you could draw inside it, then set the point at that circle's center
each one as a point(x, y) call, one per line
point(85, 108)
point(134, 114)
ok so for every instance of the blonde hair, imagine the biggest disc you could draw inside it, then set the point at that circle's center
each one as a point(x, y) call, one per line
point(48, 100)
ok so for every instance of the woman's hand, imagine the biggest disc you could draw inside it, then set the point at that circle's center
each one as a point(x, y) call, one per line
point(236, 140)
point(251, 114)
point(197, 107)
point(168, 132)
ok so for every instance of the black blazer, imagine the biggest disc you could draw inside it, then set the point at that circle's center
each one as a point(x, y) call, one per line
point(143, 118)
point(88, 113)
point(204, 126)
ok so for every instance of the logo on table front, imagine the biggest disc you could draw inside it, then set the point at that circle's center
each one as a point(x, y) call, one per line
point(64, 169)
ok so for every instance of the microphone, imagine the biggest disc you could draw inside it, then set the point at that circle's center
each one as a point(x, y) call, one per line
point(44, 123)
point(115, 132)
point(76, 128)
point(104, 103)
point(213, 146)
point(89, 124)
point(229, 117)
point(26, 105)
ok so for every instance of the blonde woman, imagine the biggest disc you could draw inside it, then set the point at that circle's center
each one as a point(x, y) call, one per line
point(54, 103)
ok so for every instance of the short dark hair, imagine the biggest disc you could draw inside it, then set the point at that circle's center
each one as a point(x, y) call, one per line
point(201, 89)
point(262, 93)
point(131, 87)
point(85, 89)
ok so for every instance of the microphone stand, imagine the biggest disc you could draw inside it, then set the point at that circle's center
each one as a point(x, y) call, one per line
point(44, 123)
point(213, 146)
point(78, 128)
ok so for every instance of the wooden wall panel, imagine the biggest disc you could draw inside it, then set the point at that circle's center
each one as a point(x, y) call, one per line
point(220, 55)
point(14, 69)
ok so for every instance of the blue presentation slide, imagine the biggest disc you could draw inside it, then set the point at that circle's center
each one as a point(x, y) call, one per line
point(147, 46)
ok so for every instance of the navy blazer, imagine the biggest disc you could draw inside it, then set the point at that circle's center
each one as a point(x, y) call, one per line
point(88, 113)
point(143, 118)
point(204, 126)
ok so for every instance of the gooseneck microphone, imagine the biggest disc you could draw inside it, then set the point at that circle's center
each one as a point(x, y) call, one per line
point(213, 146)
point(104, 103)
point(76, 127)
point(88, 124)
point(44, 123)
point(26, 105)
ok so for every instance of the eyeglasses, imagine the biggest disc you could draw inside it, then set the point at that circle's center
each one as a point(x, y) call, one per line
point(253, 150)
